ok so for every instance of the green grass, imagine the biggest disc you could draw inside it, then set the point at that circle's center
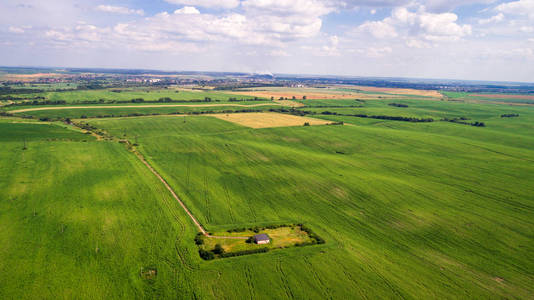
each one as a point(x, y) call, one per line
point(148, 94)
point(80, 219)
point(119, 111)
point(482, 97)
point(407, 210)
point(404, 212)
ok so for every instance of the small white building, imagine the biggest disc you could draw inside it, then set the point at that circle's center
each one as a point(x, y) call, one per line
point(261, 238)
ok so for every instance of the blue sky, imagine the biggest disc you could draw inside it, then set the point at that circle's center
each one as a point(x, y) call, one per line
point(470, 39)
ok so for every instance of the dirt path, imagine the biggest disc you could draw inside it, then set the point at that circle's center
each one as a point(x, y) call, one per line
point(197, 223)
point(138, 106)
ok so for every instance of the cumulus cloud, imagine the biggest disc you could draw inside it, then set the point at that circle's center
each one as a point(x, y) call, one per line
point(187, 10)
point(379, 29)
point(120, 10)
point(521, 7)
point(418, 24)
point(227, 4)
point(269, 23)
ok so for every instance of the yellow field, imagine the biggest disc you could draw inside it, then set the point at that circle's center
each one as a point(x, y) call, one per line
point(266, 120)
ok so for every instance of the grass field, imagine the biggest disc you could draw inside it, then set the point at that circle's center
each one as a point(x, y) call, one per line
point(80, 218)
point(514, 99)
point(141, 109)
point(125, 94)
point(407, 210)
point(453, 214)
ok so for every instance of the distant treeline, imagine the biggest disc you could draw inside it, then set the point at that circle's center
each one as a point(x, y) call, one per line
point(380, 117)
point(509, 115)
point(462, 120)
point(398, 105)
point(6, 90)
point(104, 101)
point(21, 98)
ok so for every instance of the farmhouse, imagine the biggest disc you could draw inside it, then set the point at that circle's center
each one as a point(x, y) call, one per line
point(261, 239)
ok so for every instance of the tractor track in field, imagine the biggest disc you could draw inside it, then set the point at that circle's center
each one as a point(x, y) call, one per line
point(139, 106)
point(227, 195)
point(322, 285)
point(285, 282)
point(250, 284)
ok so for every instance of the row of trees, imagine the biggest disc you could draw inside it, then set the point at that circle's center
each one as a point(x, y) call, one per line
point(381, 117)
point(462, 120)
point(398, 105)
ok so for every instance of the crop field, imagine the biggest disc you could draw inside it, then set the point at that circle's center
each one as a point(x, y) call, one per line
point(80, 217)
point(309, 93)
point(512, 99)
point(125, 94)
point(266, 120)
point(452, 213)
point(415, 210)
point(128, 110)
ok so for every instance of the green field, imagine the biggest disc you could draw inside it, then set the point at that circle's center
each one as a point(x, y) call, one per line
point(407, 210)
point(90, 112)
point(126, 94)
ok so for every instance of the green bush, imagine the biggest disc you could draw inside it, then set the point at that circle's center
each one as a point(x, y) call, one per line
point(199, 239)
point(218, 249)
point(206, 255)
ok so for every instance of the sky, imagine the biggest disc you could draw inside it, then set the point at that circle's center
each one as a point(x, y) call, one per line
point(448, 39)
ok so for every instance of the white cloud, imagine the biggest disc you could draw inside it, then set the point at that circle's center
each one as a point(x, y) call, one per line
point(495, 19)
point(378, 29)
point(418, 24)
point(15, 29)
point(281, 8)
point(521, 7)
point(187, 10)
point(227, 4)
point(120, 10)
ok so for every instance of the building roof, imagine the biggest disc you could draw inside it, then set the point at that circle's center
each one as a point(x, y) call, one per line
point(261, 237)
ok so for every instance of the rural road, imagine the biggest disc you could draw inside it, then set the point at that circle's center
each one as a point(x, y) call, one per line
point(137, 106)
